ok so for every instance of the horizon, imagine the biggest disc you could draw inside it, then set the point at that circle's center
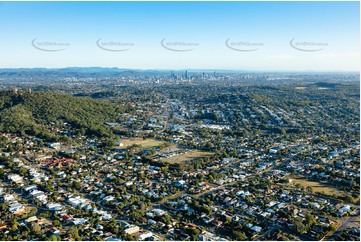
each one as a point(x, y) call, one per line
point(182, 70)
point(235, 36)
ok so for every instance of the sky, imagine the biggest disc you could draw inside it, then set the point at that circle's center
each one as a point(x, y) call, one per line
point(253, 36)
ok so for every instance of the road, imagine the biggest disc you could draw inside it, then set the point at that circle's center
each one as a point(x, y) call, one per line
point(269, 231)
point(345, 224)
point(166, 111)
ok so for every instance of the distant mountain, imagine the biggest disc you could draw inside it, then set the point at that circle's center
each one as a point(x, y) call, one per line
point(33, 113)
point(96, 72)
point(66, 69)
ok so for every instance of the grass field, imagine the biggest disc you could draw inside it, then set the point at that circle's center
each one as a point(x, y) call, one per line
point(317, 186)
point(149, 143)
point(190, 155)
point(145, 143)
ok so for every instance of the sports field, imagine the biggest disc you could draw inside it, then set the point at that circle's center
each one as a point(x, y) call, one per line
point(317, 186)
point(145, 143)
point(190, 155)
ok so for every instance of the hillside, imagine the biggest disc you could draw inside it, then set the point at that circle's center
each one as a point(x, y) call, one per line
point(35, 113)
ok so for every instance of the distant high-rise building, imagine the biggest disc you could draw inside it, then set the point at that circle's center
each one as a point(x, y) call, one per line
point(186, 75)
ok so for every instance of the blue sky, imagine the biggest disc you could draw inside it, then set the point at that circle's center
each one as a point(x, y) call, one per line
point(141, 26)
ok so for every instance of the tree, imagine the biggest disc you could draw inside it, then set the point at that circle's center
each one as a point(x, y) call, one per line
point(238, 235)
point(56, 223)
point(14, 225)
point(3, 207)
point(309, 189)
point(53, 238)
point(97, 238)
point(310, 220)
point(2, 172)
point(73, 232)
point(36, 229)
point(299, 226)
point(77, 185)
point(33, 211)
point(193, 232)
point(207, 209)
point(298, 186)
point(284, 238)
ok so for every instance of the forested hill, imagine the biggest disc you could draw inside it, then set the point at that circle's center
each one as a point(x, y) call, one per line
point(38, 112)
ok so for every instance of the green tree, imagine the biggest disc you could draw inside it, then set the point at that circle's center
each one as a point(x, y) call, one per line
point(309, 189)
point(77, 185)
point(56, 223)
point(299, 226)
point(53, 238)
point(284, 238)
point(2, 172)
point(73, 232)
point(36, 229)
point(238, 235)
